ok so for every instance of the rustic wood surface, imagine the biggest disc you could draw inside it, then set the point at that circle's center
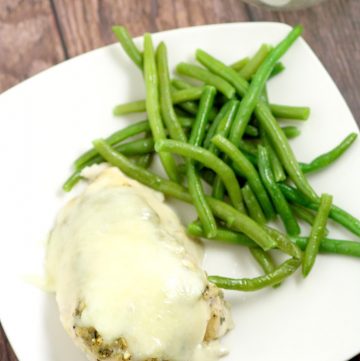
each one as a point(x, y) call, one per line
point(35, 34)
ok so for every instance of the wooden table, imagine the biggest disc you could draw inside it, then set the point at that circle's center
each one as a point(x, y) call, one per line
point(36, 34)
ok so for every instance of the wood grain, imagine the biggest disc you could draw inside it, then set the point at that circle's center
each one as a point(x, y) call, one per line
point(6, 352)
point(87, 24)
point(29, 41)
point(35, 34)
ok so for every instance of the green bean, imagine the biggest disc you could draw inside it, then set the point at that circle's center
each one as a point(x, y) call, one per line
point(250, 99)
point(238, 65)
point(218, 188)
point(253, 65)
point(114, 138)
point(222, 234)
point(225, 117)
point(218, 191)
point(239, 222)
point(280, 203)
point(222, 71)
point(246, 284)
point(252, 205)
point(182, 168)
point(192, 109)
point(283, 150)
point(128, 45)
point(248, 170)
point(167, 111)
point(196, 138)
point(303, 213)
point(248, 147)
point(222, 128)
point(291, 131)
point(144, 161)
point(137, 106)
point(198, 197)
point(141, 175)
point(189, 106)
point(264, 116)
point(336, 213)
point(328, 158)
point(199, 73)
point(186, 122)
point(74, 178)
point(152, 105)
point(279, 111)
point(202, 117)
point(265, 95)
point(253, 159)
point(136, 147)
point(181, 96)
point(227, 236)
point(278, 68)
point(290, 112)
point(284, 243)
point(251, 131)
point(265, 261)
point(214, 125)
point(180, 84)
point(327, 245)
point(225, 72)
point(210, 161)
point(229, 215)
point(177, 97)
point(317, 234)
point(275, 163)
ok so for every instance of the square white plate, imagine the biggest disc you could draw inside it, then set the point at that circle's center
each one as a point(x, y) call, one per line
point(48, 120)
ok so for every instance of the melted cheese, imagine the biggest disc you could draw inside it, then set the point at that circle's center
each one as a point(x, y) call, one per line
point(121, 252)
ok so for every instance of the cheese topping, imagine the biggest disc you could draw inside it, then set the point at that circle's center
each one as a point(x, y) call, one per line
point(120, 262)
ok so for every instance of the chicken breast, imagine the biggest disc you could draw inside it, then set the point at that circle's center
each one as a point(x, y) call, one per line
point(128, 280)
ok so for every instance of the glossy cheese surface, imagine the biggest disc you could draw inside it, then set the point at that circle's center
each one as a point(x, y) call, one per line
point(120, 262)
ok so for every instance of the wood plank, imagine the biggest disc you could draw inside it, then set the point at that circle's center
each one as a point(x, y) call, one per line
point(6, 352)
point(87, 24)
point(29, 42)
point(333, 31)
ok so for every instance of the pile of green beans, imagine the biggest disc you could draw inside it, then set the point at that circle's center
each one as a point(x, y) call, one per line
point(226, 133)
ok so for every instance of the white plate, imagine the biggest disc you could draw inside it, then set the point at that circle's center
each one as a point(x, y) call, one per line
point(48, 120)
